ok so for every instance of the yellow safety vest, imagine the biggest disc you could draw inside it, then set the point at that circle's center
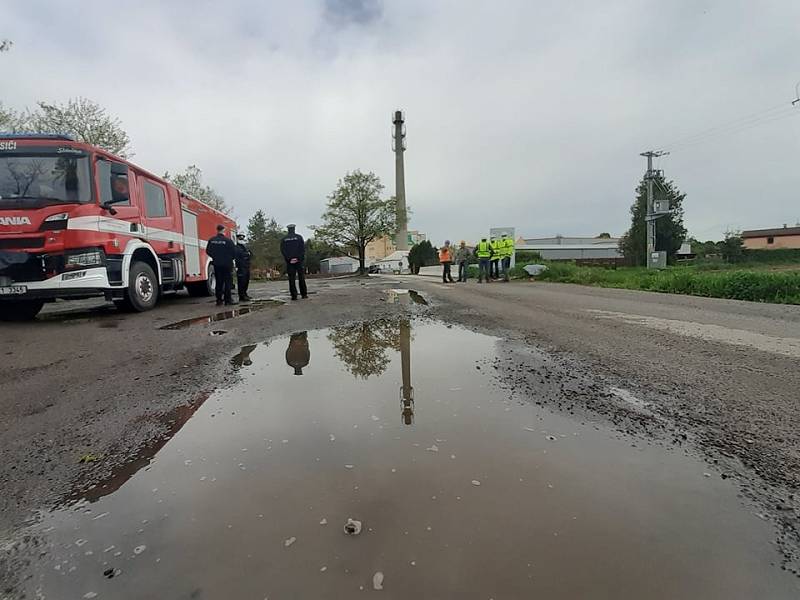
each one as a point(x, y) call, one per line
point(498, 249)
point(484, 249)
point(508, 249)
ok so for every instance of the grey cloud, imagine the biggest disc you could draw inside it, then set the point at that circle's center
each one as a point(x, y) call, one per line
point(533, 115)
point(361, 12)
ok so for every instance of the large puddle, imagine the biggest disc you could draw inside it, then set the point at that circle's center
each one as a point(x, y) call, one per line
point(462, 492)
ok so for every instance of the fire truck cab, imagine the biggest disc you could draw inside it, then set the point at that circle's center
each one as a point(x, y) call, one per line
point(77, 222)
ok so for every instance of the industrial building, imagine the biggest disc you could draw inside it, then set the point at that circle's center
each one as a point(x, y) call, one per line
point(768, 239)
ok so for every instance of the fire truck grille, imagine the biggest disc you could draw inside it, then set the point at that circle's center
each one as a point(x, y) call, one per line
point(18, 270)
point(20, 243)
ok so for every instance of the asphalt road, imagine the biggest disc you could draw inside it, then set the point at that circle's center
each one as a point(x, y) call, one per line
point(714, 377)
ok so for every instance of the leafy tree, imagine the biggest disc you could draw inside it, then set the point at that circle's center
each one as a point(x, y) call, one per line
point(264, 239)
point(356, 214)
point(604, 236)
point(190, 182)
point(732, 247)
point(362, 346)
point(5, 45)
point(9, 119)
point(704, 249)
point(422, 255)
point(82, 118)
point(316, 250)
point(670, 231)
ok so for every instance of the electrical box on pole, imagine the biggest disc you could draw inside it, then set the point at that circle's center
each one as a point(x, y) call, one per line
point(655, 209)
point(657, 260)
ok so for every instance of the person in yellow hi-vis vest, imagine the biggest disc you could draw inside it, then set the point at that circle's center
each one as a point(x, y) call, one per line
point(507, 246)
point(483, 250)
point(494, 272)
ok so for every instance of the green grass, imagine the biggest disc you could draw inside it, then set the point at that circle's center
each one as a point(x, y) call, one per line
point(738, 282)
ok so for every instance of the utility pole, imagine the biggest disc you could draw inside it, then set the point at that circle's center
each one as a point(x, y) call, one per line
point(399, 146)
point(651, 216)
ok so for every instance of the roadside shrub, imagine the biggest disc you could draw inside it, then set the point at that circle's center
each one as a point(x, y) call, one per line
point(778, 256)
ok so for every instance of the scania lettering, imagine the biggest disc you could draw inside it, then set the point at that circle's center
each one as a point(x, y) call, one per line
point(78, 222)
point(14, 221)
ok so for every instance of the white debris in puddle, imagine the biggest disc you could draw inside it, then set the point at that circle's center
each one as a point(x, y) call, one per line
point(552, 438)
point(333, 438)
point(203, 478)
point(324, 521)
point(455, 389)
point(377, 581)
point(375, 418)
point(323, 569)
point(438, 441)
point(100, 516)
point(109, 549)
point(475, 482)
point(90, 595)
point(139, 549)
point(433, 448)
point(349, 466)
point(80, 542)
point(529, 429)
point(284, 441)
point(187, 462)
point(453, 456)
point(289, 542)
point(352, 527)
point(394, 470)
point(413, 563)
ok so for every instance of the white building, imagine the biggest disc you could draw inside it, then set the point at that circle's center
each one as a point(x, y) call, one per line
point(562, 247)
point(396, 262)
point(338, 265)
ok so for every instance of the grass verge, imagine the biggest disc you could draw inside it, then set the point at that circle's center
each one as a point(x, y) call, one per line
point(781, 287)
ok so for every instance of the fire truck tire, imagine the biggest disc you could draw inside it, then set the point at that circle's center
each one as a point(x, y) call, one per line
point(142, 293)
point(20, 310)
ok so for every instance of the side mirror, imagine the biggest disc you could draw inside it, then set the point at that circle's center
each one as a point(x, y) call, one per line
point(107, 204)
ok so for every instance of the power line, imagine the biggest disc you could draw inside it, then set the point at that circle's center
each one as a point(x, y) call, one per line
point(744, 127)
point(777, 113)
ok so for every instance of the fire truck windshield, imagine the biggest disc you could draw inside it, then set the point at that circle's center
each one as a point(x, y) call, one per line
point(29, 180)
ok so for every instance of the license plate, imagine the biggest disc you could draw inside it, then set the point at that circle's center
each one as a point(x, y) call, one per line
point(13, 290)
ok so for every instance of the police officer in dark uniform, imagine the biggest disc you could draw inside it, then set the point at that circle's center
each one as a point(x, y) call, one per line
point(243, 256)
point(293, 248)
point(222, 251)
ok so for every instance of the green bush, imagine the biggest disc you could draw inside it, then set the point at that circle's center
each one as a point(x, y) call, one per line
point(778, 256)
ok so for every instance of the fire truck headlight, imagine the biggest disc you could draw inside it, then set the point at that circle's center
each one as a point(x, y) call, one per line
point(87, 258)
point(56, 221)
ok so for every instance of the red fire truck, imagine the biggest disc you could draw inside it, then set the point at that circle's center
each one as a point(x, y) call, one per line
point(77, 222)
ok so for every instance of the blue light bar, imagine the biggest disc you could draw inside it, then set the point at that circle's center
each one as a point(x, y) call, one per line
point(38, 136)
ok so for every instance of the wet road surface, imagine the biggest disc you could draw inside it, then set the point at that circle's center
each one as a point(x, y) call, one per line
point(463, 488)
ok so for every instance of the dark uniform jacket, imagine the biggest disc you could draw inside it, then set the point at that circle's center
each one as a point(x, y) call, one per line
point(221, 250)
point(243, 256)
point(293, 246)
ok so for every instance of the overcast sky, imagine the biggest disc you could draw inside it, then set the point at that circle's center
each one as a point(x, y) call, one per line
point(522, 113)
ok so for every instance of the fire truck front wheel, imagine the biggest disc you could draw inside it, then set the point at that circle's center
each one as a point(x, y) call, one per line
point(142, 293)
point(20, 310)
